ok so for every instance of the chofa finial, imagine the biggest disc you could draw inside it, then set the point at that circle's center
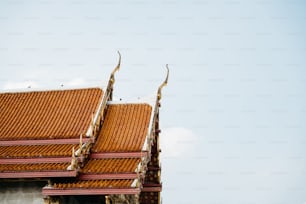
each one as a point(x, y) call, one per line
point(81, 141)
point(112, 77)
point(159, 95)
point(73, 163)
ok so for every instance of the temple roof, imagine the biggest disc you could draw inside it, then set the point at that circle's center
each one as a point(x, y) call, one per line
point(103, 146)
point(41, 138)
point(59, 114)
point(116, 155)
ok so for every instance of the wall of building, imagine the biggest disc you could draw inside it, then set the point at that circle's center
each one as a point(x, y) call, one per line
point(20, 192)
point(82, 199)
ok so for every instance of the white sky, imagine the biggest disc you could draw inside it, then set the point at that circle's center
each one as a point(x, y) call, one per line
point(233, 113)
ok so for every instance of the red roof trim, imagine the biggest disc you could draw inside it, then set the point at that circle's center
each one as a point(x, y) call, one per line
point(41, 142)
point(49, 191)
point(114, 155)
point(36, 160)
point(108, 176)
point(38, 174)
point(151, 189)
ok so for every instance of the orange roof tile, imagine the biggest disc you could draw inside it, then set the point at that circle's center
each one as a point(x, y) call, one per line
point(111, 165)
point(33, 167)
point(28, 151)
point(38, 174)
point(118, 183)
point(124, 129)
point(47, 114)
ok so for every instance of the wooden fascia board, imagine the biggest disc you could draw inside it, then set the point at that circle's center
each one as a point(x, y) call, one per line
point(38, 174)
point(108, 176)
point(49, 191)
point(151, 189)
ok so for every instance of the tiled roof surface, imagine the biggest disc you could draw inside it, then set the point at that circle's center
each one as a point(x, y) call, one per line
point(111, 165)
point(47, 114)
point(54, 150)
point(33, 167)
point(124, 129)
point(39, 116)
point(119, 183)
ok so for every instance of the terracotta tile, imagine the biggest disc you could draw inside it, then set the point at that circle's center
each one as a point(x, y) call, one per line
point(124, 129)
point(111, 165)
point(47, 114)
point(119, 183)
point(33, 167)
point(30, 151)
point(66, 114)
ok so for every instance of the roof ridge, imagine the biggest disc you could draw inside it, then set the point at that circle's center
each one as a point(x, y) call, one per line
point(32, 90)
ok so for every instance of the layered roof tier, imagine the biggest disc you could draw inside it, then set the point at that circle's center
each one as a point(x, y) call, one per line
point(102, 146)
point(81, 141)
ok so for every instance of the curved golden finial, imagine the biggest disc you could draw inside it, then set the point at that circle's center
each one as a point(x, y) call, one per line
point(112, 76)
point(159, 95)
point(81, 141)
point(73, 163)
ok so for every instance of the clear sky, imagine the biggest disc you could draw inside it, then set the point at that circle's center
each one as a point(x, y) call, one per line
point(233, 114)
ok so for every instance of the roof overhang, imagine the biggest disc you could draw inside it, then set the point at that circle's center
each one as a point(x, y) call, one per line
point(36, 160)
point(115, 155)
point(49, 191)
point(108, 176)
point(151, 188)
point(38, 174)
point(42, 142)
